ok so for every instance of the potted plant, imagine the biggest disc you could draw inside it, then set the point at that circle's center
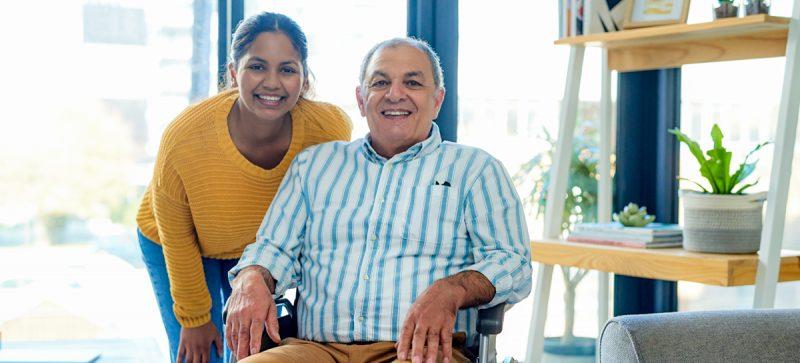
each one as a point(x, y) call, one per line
point(725, 9)
point(580, 205)
point(722, 219)
point(753, 7)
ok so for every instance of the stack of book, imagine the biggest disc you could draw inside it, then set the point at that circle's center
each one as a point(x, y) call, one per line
point(654, 235)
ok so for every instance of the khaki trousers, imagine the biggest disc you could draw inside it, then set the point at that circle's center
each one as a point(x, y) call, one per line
point(293, 350)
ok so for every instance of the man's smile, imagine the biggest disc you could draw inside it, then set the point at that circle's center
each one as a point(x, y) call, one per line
point(396, 114)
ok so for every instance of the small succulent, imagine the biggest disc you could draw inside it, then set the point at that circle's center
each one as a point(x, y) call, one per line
point(633, 216)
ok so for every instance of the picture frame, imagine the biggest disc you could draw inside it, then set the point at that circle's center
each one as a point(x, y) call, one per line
point(645, 13)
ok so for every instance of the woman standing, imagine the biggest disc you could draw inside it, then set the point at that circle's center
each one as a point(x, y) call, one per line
point(219, 166)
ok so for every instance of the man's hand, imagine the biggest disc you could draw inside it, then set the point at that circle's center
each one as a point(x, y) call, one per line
point(195, 343)
point(430, 323)
point(249, 308)
point(431, 319)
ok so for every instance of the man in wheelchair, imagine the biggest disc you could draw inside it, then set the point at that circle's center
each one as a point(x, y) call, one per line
point(393, 241)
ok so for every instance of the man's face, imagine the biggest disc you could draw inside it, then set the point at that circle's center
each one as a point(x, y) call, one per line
point(399, 98)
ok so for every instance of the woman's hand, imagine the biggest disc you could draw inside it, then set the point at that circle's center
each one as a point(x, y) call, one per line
point(195, 343)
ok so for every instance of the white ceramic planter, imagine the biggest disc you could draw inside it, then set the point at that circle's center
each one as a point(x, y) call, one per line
point(722, 223)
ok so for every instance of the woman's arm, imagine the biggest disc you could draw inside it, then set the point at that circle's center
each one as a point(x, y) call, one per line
point(179, 241)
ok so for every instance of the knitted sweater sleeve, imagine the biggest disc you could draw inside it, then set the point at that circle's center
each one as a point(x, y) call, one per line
point(192, 301)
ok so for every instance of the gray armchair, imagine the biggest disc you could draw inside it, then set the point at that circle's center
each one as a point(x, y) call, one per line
point(765, 335)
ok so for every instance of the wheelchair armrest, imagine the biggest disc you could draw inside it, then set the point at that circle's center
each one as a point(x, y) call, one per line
point(490, 320)
point(287, 322)
point(281, 303)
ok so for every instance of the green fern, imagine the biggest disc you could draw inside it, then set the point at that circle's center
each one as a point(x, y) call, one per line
point(716, 168)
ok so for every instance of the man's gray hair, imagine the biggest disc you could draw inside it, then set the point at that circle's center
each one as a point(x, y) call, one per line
point(438, 75)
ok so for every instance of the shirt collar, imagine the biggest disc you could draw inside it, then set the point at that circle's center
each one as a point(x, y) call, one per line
point(417, 150)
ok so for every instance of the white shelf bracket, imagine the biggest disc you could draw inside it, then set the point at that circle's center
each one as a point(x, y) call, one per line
point(769, 258)
point(604, 187)
point(555, 200)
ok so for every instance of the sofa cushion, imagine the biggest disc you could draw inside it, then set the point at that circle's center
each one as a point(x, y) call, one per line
point(767, 335)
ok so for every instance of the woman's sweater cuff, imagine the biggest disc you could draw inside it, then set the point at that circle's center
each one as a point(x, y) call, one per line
point(195, 321)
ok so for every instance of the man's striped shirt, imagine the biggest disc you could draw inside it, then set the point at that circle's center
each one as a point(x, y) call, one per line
point(361, 236)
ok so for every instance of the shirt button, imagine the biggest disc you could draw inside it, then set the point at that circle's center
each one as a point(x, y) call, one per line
point(380, 200)
point(373, 238)
point(360, 319)
point(366, 277)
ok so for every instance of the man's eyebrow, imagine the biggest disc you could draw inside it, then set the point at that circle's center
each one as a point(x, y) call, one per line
point(379, 74)
point(406, 75)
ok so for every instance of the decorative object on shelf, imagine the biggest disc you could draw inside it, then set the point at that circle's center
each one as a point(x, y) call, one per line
point(724, 9)
point(723, 219)
point(644, 13)
point(571, 20)
point(753, 7)
point(633, 216)
point(603, 16)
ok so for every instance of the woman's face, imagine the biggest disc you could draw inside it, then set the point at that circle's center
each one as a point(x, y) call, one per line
point(269, 77)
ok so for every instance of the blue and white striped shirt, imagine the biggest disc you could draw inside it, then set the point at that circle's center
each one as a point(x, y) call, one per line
point(361, 236)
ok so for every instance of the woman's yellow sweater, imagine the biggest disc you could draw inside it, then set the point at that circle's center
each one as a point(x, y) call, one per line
point(206, 199)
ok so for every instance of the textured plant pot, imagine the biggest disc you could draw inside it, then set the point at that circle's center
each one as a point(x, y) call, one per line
point(725, 10)
point(754, 7)
point(720, 223)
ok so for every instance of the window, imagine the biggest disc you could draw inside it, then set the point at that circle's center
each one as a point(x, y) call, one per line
point(91, 93)
point(339, 35)
point(511, 81)
point(108, 24)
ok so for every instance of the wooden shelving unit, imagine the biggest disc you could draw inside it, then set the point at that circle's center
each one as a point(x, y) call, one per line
point(758, 36)
point(674, 264)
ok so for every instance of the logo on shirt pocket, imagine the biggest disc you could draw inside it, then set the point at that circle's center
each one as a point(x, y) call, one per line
point(431, 213)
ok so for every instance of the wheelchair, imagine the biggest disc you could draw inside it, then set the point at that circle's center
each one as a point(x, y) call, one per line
point(490, 323)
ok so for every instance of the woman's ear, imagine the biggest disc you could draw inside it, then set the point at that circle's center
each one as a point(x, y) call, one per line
point(232, 75)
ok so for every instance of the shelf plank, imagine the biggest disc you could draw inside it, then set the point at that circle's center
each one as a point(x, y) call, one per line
point(751, 37)
point(674, 264)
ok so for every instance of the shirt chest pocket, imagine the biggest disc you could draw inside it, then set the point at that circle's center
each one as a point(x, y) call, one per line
point(432, 214)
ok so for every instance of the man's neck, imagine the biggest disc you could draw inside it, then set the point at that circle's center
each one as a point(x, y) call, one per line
point(389, 151)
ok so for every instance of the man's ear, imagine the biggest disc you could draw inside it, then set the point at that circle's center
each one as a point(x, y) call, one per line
point(232, 75)
point(438, 104)
point(360, 99)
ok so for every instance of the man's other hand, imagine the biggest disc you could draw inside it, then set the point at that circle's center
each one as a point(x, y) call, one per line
point(430, 323)
point(250, 307)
